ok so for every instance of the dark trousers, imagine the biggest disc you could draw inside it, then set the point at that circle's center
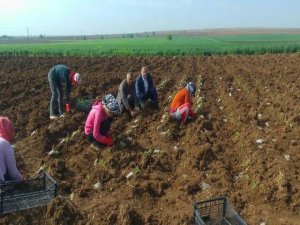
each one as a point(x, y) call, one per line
point(104, 127)
point(7, 177)
point(56, 94)
point(130, 100)
point(151, 94)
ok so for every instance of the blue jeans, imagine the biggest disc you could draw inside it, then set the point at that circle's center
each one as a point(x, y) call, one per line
point(57, 94)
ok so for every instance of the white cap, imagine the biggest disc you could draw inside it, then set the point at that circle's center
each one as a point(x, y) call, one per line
point(77, 78)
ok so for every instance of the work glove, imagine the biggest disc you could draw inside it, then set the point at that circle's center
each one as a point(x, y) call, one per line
point(68, 107)
point(192, 114)
point(108, 141)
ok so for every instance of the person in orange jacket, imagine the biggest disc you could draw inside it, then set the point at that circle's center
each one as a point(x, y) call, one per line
point(181, 106)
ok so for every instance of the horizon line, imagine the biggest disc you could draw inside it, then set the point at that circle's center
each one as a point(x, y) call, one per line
point(167, 31)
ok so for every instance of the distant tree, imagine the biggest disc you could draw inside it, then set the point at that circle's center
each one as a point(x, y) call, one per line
point(41, 36)
point(169, 37)
point(84, 38)
point(5, 36)
point(130, 35)
point(102, 37)
point(153, 33)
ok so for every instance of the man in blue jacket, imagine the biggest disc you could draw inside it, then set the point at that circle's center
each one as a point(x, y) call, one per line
point(145, 89)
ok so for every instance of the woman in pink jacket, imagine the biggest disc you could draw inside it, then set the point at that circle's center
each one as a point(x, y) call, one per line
point(99, 120)
point(8, 168)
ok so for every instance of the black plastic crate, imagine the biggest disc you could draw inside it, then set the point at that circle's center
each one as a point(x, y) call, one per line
point(83, 104)
point(217, 211)
point(26, 194)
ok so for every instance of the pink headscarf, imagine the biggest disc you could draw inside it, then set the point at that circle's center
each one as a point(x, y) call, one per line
point(7, 130)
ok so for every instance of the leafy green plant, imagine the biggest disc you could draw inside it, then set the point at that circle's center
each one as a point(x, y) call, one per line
point(246, 163)
point(185, 177)
point(236, 135)
point(102, 163)
point(169, 37)
point(159, 46)
point(137, 170)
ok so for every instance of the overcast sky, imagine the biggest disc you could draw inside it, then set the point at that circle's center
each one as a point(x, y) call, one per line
point(73, 17)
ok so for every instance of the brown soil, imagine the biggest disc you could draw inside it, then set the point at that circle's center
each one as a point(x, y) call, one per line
point(245, 98)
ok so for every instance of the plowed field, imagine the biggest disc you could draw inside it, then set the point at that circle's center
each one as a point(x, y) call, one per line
point(240, 99)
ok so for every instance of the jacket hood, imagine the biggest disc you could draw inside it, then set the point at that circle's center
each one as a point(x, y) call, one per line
point(7, 130)
point(97, 105)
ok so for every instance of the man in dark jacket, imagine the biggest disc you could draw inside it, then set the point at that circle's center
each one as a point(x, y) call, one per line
point(145, 89)
point(57, 76)
point(126, 95)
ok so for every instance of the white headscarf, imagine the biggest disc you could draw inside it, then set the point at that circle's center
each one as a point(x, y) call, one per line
point(77, 78)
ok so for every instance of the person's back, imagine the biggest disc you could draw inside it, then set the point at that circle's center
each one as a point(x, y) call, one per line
point(94, 120)
point(8, 169)
point(99, 120)
point(181, 106)
point(4, 147)
point(62, 72)
point(180, 98)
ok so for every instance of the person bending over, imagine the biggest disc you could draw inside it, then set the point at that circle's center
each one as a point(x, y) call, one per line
point(99, 120)
point(59, 76)
point(181, 106)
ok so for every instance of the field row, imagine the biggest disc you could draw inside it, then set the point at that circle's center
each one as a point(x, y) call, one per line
point(244, 142)
point(160, 46)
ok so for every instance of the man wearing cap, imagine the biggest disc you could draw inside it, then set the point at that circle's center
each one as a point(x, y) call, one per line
point(99, 120)
point(126, 95)
point(181, 106)
point(57, 76)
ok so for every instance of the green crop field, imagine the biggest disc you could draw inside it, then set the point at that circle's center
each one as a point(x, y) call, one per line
point(161, 46)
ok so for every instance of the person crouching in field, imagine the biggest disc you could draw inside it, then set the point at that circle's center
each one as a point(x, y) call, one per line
point(181, 106)
point(57, 76)
point(8, 168)
point(126, 95)
point(99, 120)
point(145, 89)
